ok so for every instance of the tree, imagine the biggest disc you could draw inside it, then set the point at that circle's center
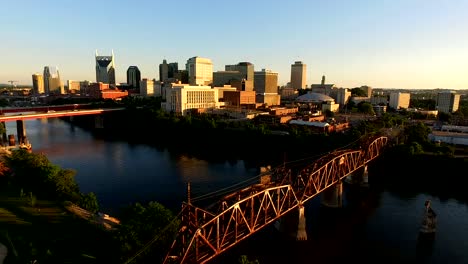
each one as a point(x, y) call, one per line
point(418, 133)
point(358, 92)
point(141, 225)
point(35, 173)
point(89, 202)
point(366, 108)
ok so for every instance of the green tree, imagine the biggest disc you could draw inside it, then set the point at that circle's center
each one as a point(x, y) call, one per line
point(418, 133)
point(150, 225)
point(35, 173)
point(358, 92)
point(366, 108)
point(89, 202)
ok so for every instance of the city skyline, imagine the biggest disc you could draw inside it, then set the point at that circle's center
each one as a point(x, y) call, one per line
point(384, 44)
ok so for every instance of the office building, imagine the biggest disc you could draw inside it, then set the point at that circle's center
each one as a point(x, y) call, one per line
point(183, 98)
point(38, 83)
point(105, 69)
point(168, 71)
point(200, 71)
point(298, 75)
point(133, 77)
point(246, 70)
point(147, 87)
point(266, 81)
point(52, 82)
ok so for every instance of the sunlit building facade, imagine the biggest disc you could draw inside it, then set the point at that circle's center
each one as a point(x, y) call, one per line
point(38, 83)
point(200, 71)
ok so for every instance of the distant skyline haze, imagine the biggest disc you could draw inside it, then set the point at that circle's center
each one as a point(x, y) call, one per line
point(412, 44)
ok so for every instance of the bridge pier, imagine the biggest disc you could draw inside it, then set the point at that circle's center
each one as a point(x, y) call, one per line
point(21, 131)
point(301, 226)
point(359, 177)
point(333, 196)
point(4, 135)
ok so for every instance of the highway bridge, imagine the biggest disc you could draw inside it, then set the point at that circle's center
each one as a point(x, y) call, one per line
point(20, 114)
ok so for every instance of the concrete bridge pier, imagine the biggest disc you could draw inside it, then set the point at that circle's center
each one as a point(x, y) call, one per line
point(21, 131)
point(359, 177)
point(333, 196)
point(301, 226)
point(4, 135)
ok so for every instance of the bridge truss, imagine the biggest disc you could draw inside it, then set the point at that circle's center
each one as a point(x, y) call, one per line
point(204, 235)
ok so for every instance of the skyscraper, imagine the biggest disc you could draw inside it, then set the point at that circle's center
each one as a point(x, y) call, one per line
point(52, 82)
point(246, 68)
point(38, 83)
point(105, 69)
point(168, 71)
point(133, 77)
point(247, 74)
point(266, 81)
point(200, 71)
point(298, 75)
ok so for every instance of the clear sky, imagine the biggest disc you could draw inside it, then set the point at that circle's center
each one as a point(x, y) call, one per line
point(381, 43)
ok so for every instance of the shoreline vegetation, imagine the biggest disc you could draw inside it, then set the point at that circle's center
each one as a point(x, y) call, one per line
point(36, 224)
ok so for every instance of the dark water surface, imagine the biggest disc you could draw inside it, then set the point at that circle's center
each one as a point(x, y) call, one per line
point(375, 225)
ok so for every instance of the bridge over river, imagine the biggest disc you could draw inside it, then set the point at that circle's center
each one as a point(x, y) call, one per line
point(205, 234)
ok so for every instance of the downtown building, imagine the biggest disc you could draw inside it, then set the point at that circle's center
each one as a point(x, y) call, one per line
point(52, 82)
point(266, 87)
point(133, 77)
point(298, 75)
point(168, 71)
point(105, 69)
point(38, 83)
point(182, 99)
point(200, 71)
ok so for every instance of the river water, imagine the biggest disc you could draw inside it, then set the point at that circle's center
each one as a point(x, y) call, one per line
point(375, 225)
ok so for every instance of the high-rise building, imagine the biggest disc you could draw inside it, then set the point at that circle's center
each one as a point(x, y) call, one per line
point(168, 71)
point(38, 83)
point(266, 81)
point(246, 70)
point(133, 77)
point(52, 82)
point(200, 71)
point(448, 101)
point(105, 69)
point(298, 75)
point(147, 87)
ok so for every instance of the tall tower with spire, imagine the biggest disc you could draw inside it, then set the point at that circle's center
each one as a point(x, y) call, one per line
point(105, 69)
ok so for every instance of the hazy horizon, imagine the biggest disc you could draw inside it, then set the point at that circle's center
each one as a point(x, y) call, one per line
point(395, 44)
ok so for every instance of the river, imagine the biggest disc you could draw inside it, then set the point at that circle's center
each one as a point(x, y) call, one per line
point(375, 225)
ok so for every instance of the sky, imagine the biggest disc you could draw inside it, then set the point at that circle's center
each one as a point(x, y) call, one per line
point(407, 44)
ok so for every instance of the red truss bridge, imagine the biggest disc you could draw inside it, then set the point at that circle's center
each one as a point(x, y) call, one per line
point(205, 234)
